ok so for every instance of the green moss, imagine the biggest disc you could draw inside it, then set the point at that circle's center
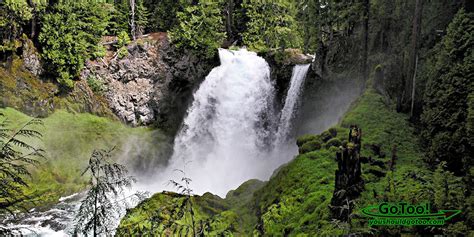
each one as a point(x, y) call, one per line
point(294, 202)
point(305, 138)
point(68, 140)
point(310, 146)
point(333, 142)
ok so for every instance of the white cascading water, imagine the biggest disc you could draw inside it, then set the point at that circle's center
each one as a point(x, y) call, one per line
point(288, 113)
point(230, 132)
point(221, 143)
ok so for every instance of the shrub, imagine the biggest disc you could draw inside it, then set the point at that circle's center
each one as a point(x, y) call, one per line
point(122, 39)
point(310, 146)
point(305, 138)
point(122, 52)
point(333, 142)
point(333, 132)
point(325, 136)
point(95, 84)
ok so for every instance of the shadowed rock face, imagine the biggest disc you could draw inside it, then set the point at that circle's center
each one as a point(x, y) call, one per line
point(153, 84)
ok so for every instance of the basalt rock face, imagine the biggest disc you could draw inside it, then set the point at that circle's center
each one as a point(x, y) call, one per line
point(281, 66)
point(153, 84)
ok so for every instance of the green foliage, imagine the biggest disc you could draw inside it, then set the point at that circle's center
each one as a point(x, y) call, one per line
point(200, 28)
point(448, 189)
point(70, 34)
point(167, 213)
point(98, 211)
point(69, 139)
point(305, 138)
point(333, 142)
point(13, 13)
point(163, 15)
point(445, 115)
point(119, 18)
point(310, 146)
point(122, 52)
point(95, 84)
point(271, 25)
point(16, 154)
point(122, 39)
point(141, 18)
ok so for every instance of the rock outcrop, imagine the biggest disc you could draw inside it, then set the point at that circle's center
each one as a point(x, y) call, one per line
point(281, 66)
point(152, 84)
point(31, 58)
point(22, 89)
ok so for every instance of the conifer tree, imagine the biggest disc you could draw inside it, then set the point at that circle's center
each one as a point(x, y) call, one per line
point(102, 207)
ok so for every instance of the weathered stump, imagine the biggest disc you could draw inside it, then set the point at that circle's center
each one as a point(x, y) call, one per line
point(349, 183)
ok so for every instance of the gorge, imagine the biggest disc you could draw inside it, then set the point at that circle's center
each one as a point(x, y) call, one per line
point(235, 117)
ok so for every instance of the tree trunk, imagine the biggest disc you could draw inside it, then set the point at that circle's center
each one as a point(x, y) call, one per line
point(33, 19)
point(132, 18)
point(414, 45)
point(229, 20)
point(413, 88)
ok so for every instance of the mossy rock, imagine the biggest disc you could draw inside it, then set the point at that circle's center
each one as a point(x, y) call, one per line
point(333, 142)
point(312, 145)
point(325, 136)
point(305, 138)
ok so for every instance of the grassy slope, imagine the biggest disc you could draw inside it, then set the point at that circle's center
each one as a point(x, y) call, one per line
point(295, 201)
point(68, 140)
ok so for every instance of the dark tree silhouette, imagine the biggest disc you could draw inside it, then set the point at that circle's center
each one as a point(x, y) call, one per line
point(101, 207)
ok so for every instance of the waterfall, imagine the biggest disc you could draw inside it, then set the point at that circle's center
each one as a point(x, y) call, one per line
point(291, 103)
point(221, 143)
point(228, 135)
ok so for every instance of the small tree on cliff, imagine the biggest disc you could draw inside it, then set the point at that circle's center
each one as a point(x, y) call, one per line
point(101, 207)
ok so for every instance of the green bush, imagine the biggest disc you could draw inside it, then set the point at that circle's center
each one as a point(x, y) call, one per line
point(305, 138)
point(312, 145)
point(122, 52)
point(333, 142)
point(325, 136)
point(95, 84)
point(122, 39)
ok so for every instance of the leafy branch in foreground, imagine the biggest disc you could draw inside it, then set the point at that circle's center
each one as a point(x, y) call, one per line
point(16, 154)
point(102, 207)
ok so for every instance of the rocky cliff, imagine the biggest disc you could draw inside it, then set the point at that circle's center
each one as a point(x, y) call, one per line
point(152, 84)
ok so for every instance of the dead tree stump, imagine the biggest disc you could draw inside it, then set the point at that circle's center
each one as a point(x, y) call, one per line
point(349, 183)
